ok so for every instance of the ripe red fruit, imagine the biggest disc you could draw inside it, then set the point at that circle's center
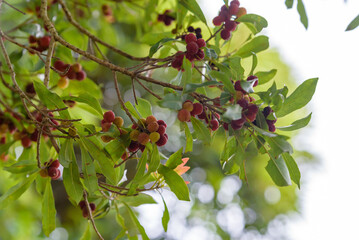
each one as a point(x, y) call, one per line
point(32, 39)
point(197, 109)
point(143, 138)
point(200, 54)
point(105, 126)
point(234, 2)
point(71, 74)
point(188, 104)
point(60, 65)
point(271, 127)
point(202, 115)
point(77, 67)
point(162, 141)
point(217, 21)
point(55, 164)
point(266, 111)
point(237, 124)
point(251, 112)
point(190, 56)
point(243, 103)
point(214, 124)
point(52, 172)
point(225, 126)
point(190, 38)
point(3, 140)
point(82, 204)
point(58, 175)
point(85, 213)
point(152, 127)
point(80, 75)
point(151, 119)
point(230, 26)
point(44, 42)
point(133, 147)
point(192, 48)
point(92, 207)
point(161, 129)
point(161, 122)
point(26, 142)
point(184, 115)
point(201, 43)
point(233, 9)
point(225, 34)
point(109, 116)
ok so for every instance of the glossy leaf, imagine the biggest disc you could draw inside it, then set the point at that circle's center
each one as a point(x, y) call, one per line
point(138, 224)
point(289, 3)
point(66, 154)
point(220, 76)
point(279, 145)
point(264, 77)
point(302, 13)
point(193, 86)
point(48, 210)
point(175, 182)
point(144, 107)
point(297, 124)
point(299, 98)
point(353, 24)
point(22, 167)
point(16, 191)
point(193, 7)
point(171, 101)
point(189, 139)
point(175, 159)
point(154, 159)
point(264, 132)
point(87, 234)
point(255, 45)
point(87, 99)
point(259, 22)
point(201, 130)
point(158, 45)
point(138, 200)
point(132, 110)
point(88, 170)
point(278, 171)
point(165, 216)
point(293, 168)
point(71, 179)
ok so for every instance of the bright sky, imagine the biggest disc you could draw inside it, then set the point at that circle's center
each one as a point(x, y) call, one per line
point(330, 198)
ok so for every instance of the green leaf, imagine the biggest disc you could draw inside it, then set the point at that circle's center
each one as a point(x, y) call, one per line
point(72, 183)
point(189, 139)
point(239, 158)
point(193, 86)
point(211, 53)
point(87, 99)
point(255, 45)
point(66, 154)
point(138, 200)
point(175, 159)
point(299, 98)
point(175, 182)
point(353, 24)
point(48, 210)
point(154, 160)
point(264, 77)
point(297, 124)
point(50, 99)
point(105, 164)
point(5, 147)
point(302, 13)
point(165, 216)
point(233, 112)
point(263, 132)
point(171, 101)
point(187, 75)
point(132, 110)
point(259, 22)
point(254, 64)
point(88, 170)
point(138, 224)
point(293, 168)
point(158, 45)
point(15, 56)
point(224, 79)
point(22, 166)
point(289, 3)
point(140, 171)
point(278, 171)
point(279, 145)
point(16, 191)
point(201, 130)
point(144, 107)
point(193, 6)
point(87, 234)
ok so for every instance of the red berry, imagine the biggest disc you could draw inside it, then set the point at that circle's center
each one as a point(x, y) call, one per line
point(197, 109)
point(60, 65)
point(32, 39)
point(82, 204)
point(217, 21)
point(92, 206)
point(109, 116)
point(184, 115)
point(225, 34)
point(201, 43)
point(3, 140)
point(237, 124)
point(105, 126)
point(190, 56)
point(162, 141)
point(80, 75)
point(85, 214)
point(71, 74)
point(177, 62)
point(203, 115)
point(133, 147)
point(271, 127)
point(58, 174)
point(44, 42)
point(266, 111)
point(235, 2)
point(161, 122)
point(233, 9)
point(255, 78)
point(251, 112)
point(243, 103)
point(190, 38)
point(52, 172)
point(142, 147)
point(213, 124)
point(168, 20)
point(192, 48)
point(26, 142)
point(161, 129)
point(225, 126)
point(230, 26)
point(200, 54)
point(55, 164)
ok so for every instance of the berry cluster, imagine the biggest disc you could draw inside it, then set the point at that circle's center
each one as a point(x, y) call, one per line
point(225, 16)
point(166, 18)
point(39, 44)
point(194, 51)
point(72, 72)
point(51, 169)
point(146, 130)
point(266, 112)
point(109, 118)
point(197, 31)
point(82, 205)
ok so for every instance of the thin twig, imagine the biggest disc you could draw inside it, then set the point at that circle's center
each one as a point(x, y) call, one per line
point(90, 214)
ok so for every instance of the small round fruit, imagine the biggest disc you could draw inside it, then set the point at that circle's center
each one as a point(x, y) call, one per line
point(150, 119)
point(152, 127)
point(60, 65)
point(72, 131)
point(162, 141)
point(85, 213)
point(55, 164)
point(161, 129)
point(43, 173)
point(133, 147)
point(241, 12)
point(197, 109)
point(80, 75)
point(77, 67)
point(52, 171)
point(233, 9)
point(44, 42)
point(71, 74)
point(82, 204)
point(190, 29)
point(254, 79)
point(143, 138)
point(192, 47)
point(154, 137)
point(184, 115)
point(271, 127)
point(190, 38)
point(63, 82)
point(230, 26)
point(217, 21)
point(188, 105)
point(161, 122)
point(214, 124)
point(134, 135)
point(225, 34)
point(118, 121)
point(201, 43)
point(26, 142)
point(58, 175)
point(109, 116)
point(92, 206)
